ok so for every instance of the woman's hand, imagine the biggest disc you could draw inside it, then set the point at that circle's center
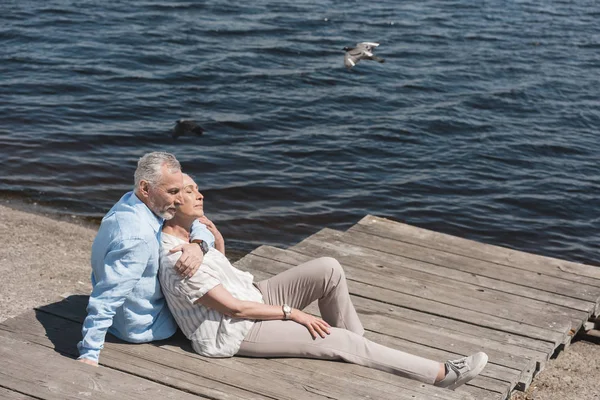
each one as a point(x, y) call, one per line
point(316, 326)
point(210, 225)
point(219, 241)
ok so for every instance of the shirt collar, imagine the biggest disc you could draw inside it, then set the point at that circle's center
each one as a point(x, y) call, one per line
point(154, 220)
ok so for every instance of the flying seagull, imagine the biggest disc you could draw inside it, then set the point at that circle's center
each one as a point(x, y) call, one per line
point(186, 127)
point(362, 51)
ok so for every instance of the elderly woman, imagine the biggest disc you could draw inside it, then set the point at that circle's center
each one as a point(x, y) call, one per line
point(224, 313)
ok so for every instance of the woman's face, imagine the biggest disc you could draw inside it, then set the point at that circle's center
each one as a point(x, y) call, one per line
point(192, 200)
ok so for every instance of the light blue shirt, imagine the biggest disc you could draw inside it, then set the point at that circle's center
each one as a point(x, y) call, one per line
point(126, 299)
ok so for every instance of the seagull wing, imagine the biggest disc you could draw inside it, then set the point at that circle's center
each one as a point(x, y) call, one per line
point(350, 60)
point(367, 46)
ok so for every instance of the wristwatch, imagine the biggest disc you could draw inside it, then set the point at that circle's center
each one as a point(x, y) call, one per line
point(287, 310)
point(203, 246)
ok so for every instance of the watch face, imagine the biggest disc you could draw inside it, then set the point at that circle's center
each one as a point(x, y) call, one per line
point(204, 247)
point(287, 308)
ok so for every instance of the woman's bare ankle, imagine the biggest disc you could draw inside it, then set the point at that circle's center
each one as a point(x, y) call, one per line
point(441, 373)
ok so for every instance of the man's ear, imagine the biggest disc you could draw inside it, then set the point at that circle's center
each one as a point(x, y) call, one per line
point(144, 188)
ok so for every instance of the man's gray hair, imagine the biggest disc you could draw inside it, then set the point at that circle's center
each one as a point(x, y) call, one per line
point(149, 167)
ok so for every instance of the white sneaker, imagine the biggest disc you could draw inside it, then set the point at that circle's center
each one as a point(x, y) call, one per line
point(463, 370)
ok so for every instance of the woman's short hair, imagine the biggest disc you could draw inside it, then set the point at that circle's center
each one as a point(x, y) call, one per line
point(149, 167)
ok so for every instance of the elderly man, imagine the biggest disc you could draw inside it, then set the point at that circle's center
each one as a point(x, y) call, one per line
point(126, 299)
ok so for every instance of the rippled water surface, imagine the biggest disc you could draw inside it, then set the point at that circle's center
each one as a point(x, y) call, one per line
point(483, 121)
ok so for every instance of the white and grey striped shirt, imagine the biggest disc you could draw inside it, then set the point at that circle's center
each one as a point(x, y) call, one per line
point(212, 333)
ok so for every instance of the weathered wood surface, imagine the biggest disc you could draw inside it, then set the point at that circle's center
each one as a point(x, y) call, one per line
point(429, 298)
point(12, 395)
point(385, 296)
point(534, 279)
point(58, 328)
point(426, 293)
point(441, 288)
point(458, 245)
point(342, 246)
point(586, 275)
point(31, 369)
point(497, 377)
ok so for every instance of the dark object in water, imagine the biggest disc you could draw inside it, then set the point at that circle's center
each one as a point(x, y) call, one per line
point(186, 127)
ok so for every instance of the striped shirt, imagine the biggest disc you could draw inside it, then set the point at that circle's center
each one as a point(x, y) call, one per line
point(212, 334)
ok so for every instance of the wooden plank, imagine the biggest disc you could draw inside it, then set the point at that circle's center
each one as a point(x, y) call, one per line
point(440, 309)
point(122, 354)
point(481, 394)
point(381, 269)
point(351, 375)
point(494, 388)
point(62, 335)
point(434, 348)
point(12, 395)
point(423, 333)
point(505, 273)
point(313, 382)
point(219, 378)
point(389, 317)
point(505, 378)
point(41, 373)
point(351, 372)
point(331, 238)
point(575, 272)
point(495, 369)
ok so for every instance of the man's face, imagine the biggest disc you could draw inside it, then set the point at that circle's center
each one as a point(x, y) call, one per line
point(165, 197)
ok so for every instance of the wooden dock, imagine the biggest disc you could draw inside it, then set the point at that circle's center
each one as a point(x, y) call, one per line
point(419, 291)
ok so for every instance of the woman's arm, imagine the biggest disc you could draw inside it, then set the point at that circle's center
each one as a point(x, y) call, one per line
point(219, 240)
point(219, 299)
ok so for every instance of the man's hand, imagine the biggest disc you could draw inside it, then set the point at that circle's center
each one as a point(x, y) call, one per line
point(88, 361)
point(316, 326)
point(190, 260)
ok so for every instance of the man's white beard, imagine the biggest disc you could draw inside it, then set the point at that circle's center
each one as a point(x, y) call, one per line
point(167, 215)
point(164, 214)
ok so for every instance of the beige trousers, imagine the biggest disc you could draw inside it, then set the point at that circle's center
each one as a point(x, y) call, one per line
point(323, 279)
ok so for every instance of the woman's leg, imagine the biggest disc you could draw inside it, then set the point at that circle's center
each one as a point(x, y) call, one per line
point(290, 339)
point(321, 279)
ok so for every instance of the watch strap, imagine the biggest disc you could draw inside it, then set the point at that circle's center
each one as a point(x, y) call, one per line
point(203, 246)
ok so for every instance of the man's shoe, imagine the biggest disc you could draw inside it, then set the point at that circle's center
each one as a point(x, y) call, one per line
point(461, 371)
